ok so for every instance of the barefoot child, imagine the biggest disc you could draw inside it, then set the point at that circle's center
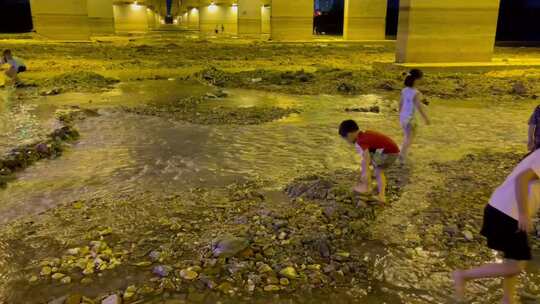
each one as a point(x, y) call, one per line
point(376, 149)
point(16, 66)
point(410, 103)
point(507, 222)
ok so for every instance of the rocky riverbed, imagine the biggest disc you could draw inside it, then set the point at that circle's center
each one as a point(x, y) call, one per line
point(214, 173)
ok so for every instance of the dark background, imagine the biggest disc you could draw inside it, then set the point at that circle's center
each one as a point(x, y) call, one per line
point(519, 20)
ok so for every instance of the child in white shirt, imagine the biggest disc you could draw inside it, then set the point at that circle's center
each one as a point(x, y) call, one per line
point(507, 222)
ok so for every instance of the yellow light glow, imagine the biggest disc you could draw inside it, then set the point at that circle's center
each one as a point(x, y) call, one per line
point(212, 7)
point(136, 6)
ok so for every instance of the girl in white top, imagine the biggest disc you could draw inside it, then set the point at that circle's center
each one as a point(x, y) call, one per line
point(507, 223)
point(16, 65)
point(410, 103)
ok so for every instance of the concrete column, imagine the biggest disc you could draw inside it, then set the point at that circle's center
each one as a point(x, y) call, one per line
point(130, 17)
point(249, 17)
point(101, 17)
point(61, 19)
point(153, 19)
point(193, 19)
point(365, 20)
point(266, 13)
point(292, 19)
point(446, 31)
point(220, 15)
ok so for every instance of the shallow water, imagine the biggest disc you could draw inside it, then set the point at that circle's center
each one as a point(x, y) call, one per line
point(125, 153)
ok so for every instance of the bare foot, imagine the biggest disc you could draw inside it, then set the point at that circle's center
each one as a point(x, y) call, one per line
point(361, 188)
point(381, 198)
point(459, 285)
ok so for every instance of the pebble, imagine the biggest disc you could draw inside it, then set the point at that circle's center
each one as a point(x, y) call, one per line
point(112, 299)
point(468, 235)
point(58, 276)
point(289, 272)
point(189, 275)
point(271, 288)
point(45, 271)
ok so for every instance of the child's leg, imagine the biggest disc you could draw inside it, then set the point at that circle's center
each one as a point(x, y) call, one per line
point(11, 74)
point(509, 287)
point(506, 269)
point(407, 141)
point(381, 183)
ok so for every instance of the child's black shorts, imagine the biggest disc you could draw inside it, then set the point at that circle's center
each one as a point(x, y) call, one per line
point(21, 69)
point(503, 235)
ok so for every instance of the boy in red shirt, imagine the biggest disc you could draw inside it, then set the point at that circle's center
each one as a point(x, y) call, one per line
point(376, 149)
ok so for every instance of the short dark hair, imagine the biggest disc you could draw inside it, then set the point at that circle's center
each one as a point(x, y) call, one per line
point(6, 52)
point(412, 76)
point(348, 126)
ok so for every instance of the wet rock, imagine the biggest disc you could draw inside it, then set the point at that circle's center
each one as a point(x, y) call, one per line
point(289, 272)
point(54, 91)
point(188, 274)
point(324, 249)
point(58, 276)
point(60, 300)
point(519, 88)
point(226, 288)
point(74, 299)
point(272, 288)
point(112, 299)
point(264, 268)
point(162, 270)
point(346, 88)
point(45, 271)
point(284, 281)
point(65, 280)
point(371, 109)
point(229, 246)
point(452, 230)
point(130, 292)
point(33, 279)
point(468, 235)
point(80, 80)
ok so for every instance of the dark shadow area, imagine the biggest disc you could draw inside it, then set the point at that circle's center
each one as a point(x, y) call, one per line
point(15, 16)
point(392, 18)
point(519, 22)
point(328, 17)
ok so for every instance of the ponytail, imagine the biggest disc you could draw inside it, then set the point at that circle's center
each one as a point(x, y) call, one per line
point(412, 76)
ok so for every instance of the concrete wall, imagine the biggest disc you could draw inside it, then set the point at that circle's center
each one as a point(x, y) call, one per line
point(214, 16)
point(101, 17)
point(130, 18)
point(365, 20)
point(292, 19)
point(61, 19)
point(249, 17)
point(446, 31)
point(266, 14)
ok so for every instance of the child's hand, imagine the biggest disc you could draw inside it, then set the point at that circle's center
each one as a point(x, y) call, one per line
point(525, 223)
point(361, 188)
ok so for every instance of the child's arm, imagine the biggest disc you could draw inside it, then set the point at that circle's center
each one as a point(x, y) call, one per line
point(366, 174)
point(522, 195)
point(420, 108)
point(532, 130)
